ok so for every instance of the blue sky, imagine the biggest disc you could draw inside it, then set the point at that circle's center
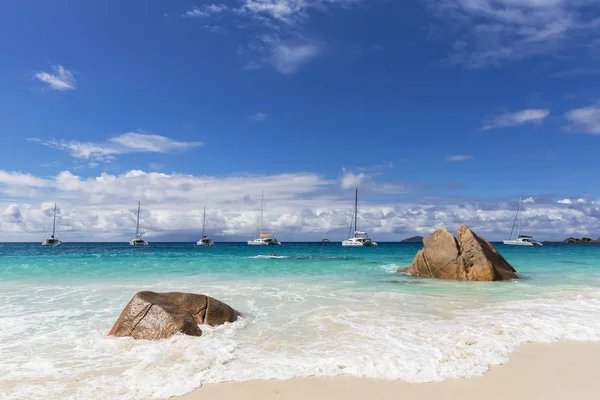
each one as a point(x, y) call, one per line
point(425, 105)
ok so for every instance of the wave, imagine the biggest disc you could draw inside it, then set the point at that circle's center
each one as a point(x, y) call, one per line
point(54, 342)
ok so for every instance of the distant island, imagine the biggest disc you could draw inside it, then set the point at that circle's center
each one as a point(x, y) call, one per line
point(582, 240)
point(414, 239)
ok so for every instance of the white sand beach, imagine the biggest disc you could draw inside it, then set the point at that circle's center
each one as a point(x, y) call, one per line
point(562, 370)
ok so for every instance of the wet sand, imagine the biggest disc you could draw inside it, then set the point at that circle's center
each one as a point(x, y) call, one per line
point(563, 370)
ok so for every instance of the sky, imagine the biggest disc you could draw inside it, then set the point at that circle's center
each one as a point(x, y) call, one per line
point(441, 112)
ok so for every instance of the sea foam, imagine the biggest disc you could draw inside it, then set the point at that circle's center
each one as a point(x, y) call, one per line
point(55, 345)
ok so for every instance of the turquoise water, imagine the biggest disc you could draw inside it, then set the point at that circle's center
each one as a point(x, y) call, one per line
point(315, 309)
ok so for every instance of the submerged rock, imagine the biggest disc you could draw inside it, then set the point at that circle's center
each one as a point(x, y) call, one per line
point(153, 316)
point(467, 257)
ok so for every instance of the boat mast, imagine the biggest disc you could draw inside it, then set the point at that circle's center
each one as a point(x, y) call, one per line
point(515, 221)
point(356, 211)
point(54, 221)
point(262, 210)
point(137, 226)
point(203, 221)
point(519, 219)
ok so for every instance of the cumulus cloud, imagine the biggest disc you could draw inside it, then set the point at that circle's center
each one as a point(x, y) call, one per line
point(529, 200)
point(516, 118)
point(130, 142)
point(565, 201)
point(12, 214)
point(61, 79)
point(489, 32)
point(351, 180)
point(585, 120)
point(299, 206)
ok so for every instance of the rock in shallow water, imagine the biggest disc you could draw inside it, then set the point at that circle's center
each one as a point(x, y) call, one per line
point(466, 258)
point(153, 316)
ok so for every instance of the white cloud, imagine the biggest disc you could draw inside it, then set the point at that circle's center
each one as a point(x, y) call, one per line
point(581, 201)
point(516, 118)
point(12, 214)
point(286, 11)
point(287, 58)
point(459, 157)
point(280, 40)
point(565, 201)
point(62, 79)
point(586, 119)
point(130, 142)
point(258, 117)
point(351, 180)
point(22, 179)
point(301, 206)
point(489, 32)
point(529, 200)
point(206, 10)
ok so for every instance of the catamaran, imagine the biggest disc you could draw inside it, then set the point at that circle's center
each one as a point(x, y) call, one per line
point(521, 240)
point(260, 238)
point(138, 240)
point(205, 240)
point(53, 240)
point(360, 239)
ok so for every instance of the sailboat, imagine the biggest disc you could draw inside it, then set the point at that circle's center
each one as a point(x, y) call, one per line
point(260, 238)
point(358, 239)
point(521, 240)
point(138, 240)
point(204, 240)
point(53, 240)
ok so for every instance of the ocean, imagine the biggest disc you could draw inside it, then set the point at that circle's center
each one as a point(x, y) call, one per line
point(315, 310)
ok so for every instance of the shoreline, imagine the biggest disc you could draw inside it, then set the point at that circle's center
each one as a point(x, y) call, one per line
point(559, 370)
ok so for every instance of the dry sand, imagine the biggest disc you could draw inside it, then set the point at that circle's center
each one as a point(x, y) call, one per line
point(565, 370)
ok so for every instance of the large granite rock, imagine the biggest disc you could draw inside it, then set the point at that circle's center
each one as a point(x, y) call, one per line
point(151, 315)
point(467, 257)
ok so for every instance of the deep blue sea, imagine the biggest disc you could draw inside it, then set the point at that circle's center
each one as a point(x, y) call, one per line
point(313, 310)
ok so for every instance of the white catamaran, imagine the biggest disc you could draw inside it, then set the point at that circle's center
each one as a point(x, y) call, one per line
point(360, 239)
point(53, 240)
point(138, 240)
point(521, 240)
point(205, 240)
point(260, 238)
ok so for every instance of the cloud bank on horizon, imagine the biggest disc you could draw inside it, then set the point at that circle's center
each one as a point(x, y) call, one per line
point(299, 206)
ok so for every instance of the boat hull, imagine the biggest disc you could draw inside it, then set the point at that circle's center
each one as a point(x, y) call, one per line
point(263, 243)
point(521, 243)
point(352, 243)
point(138, 243)
point(51, 243)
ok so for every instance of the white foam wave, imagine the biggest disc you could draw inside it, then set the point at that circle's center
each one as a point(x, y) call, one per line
point(263, 256)
point(53, 341)
point(390, 268)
